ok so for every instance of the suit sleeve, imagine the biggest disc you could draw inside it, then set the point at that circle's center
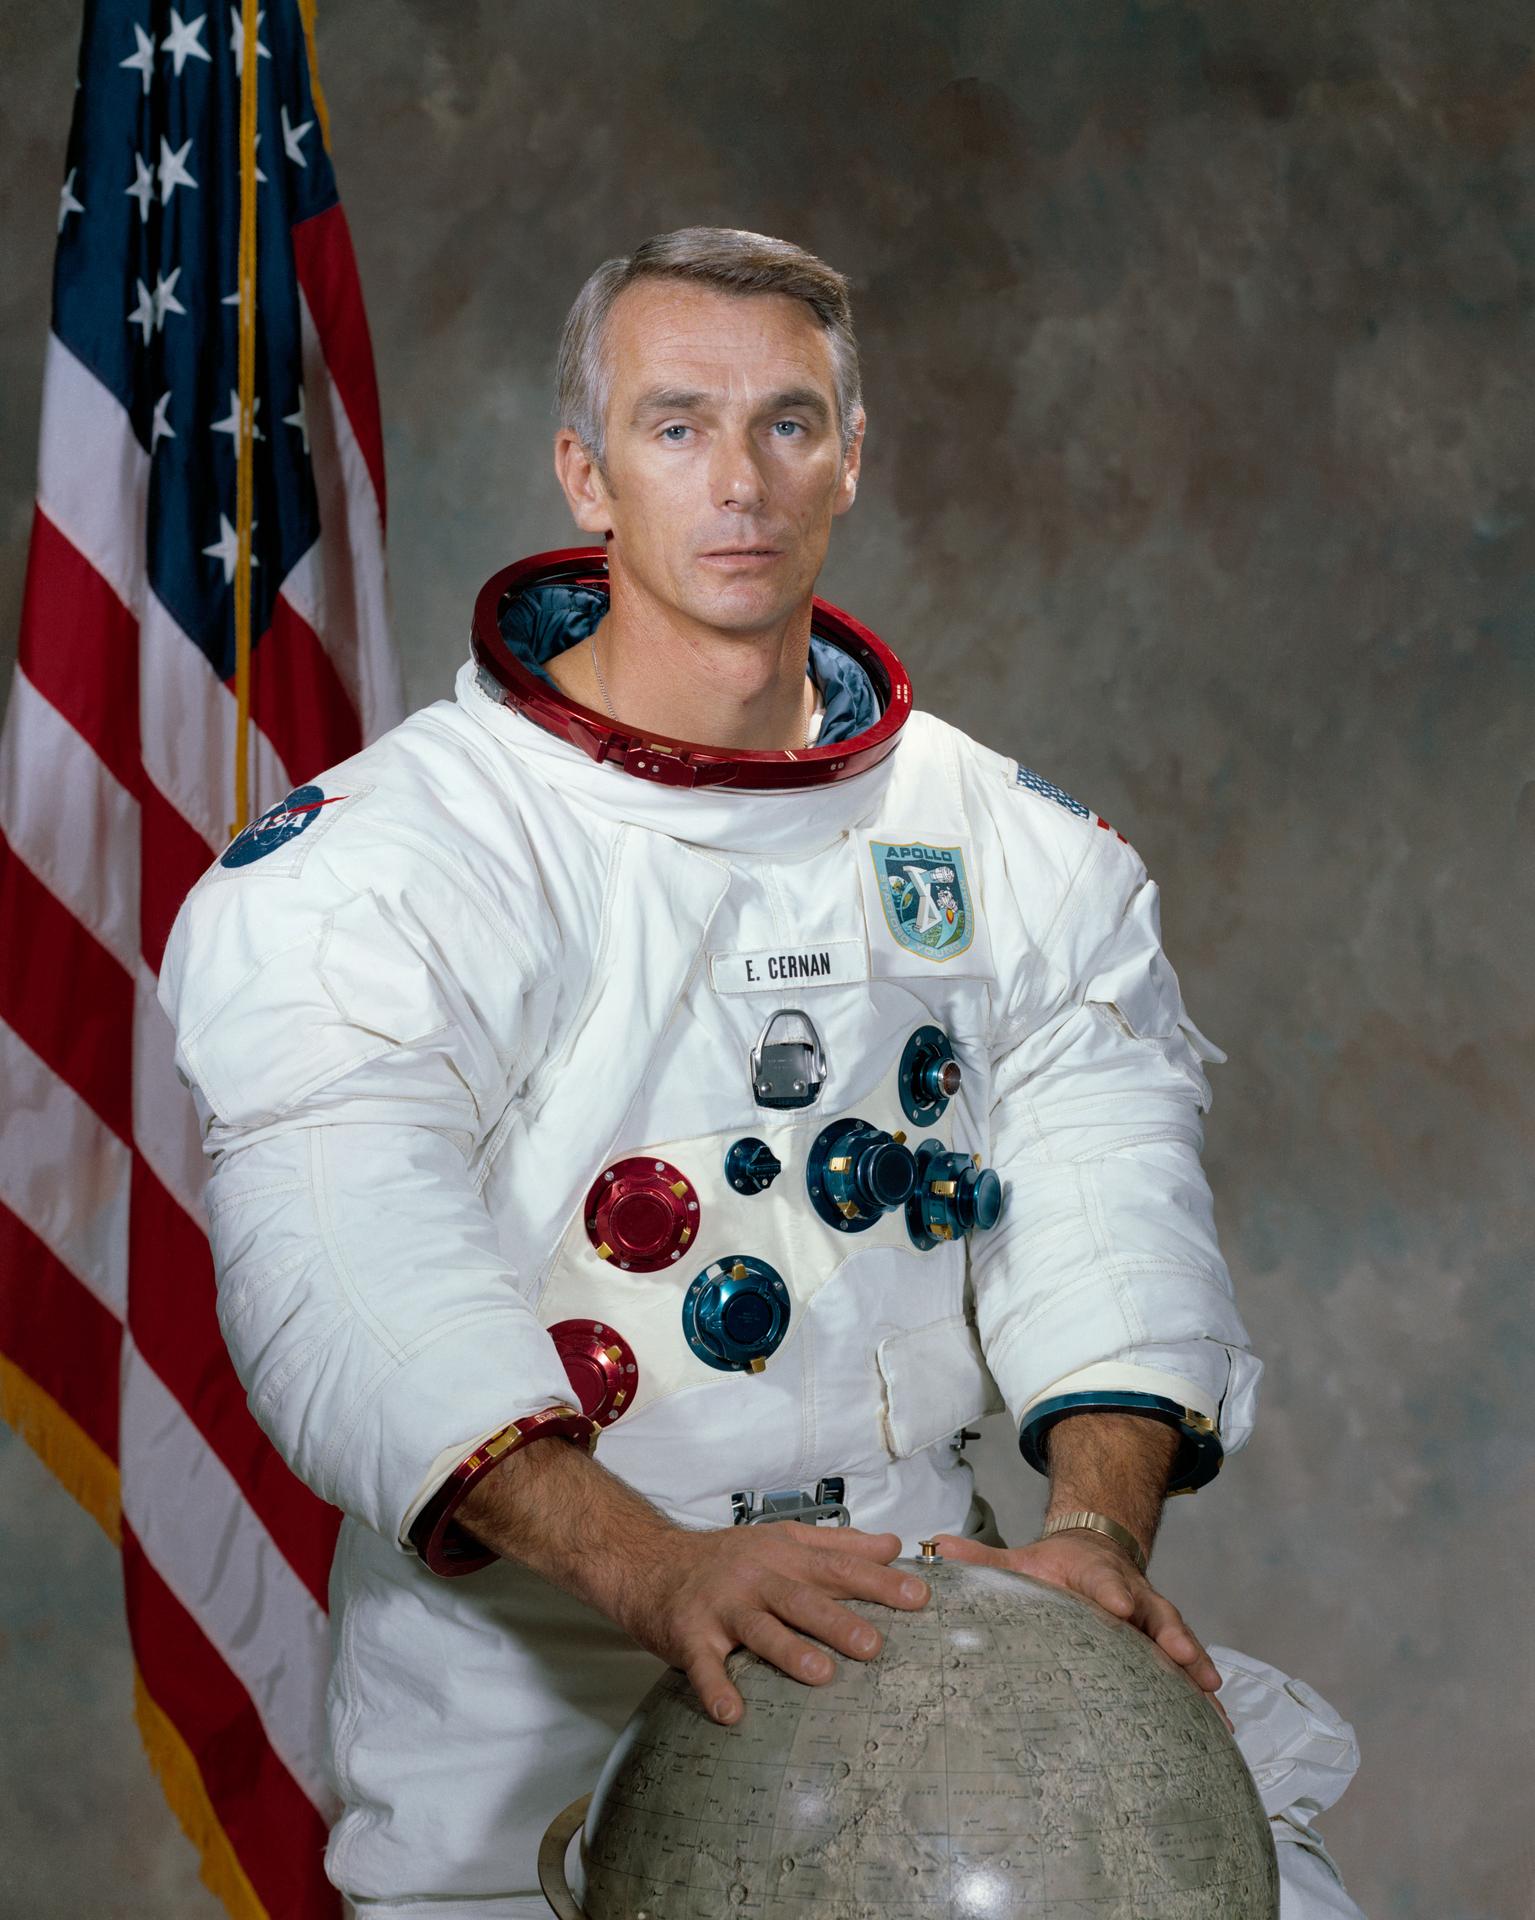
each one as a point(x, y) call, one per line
point(351, 1052)
point(1103, 1286)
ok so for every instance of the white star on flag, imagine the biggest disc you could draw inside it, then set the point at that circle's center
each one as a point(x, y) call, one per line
point(182, 41)
point(143, 314)
point(68, 204)
point(164, 296)
point(231, 422)
point(143, 188)
point(227, 548)
point(237, 39)
point(160, 427)
point(291, 135)
point(298, 419)
point(143, 56)
point(172, 169)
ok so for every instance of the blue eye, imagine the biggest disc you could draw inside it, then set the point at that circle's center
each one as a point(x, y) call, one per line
point(672, 429)
point(789, 423)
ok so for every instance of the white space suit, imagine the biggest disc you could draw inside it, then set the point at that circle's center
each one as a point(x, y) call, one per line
point(429, 1005)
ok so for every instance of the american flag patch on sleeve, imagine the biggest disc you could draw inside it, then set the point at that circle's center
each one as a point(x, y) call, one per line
point(1036, 784)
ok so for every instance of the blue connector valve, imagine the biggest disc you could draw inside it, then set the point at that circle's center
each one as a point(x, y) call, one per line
point(736, 1314)
point(953, 1194)
point(857, 1174)
point(929, 1076)
point(751, 1166)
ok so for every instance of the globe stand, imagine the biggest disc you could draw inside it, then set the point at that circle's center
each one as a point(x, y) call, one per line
point(552, 1850)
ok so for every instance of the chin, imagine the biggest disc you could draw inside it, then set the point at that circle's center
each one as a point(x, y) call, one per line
point(740, 615)
point(745, 604)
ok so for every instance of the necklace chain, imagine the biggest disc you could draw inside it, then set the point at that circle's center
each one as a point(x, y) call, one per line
point(602, 685)
point(607, 698)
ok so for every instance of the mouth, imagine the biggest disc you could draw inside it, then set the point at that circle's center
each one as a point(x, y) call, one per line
point(742, 553)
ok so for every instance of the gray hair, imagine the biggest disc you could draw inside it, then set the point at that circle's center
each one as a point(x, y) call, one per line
point(728, 258)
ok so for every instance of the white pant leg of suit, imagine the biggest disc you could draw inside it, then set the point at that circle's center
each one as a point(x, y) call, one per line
point(430, 1005)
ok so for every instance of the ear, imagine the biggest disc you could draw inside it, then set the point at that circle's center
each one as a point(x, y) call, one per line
point(582, 484)
point(847, 483)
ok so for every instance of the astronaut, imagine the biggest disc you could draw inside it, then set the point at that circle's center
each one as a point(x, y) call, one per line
point(677, 1045)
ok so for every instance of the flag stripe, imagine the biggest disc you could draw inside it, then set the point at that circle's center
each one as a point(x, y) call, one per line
point(79, 648)
point(187, 724)
point(214, 1555)
point(165, 1128)
point(58, 1333)
point(174, 857)
point(269, 1820)
point(297, 697)
point(65, 995)
point(92, 474)
point(76, 828)
point(341, 587)
point(327, 273)
point(173, 1317)
point(82, 1220)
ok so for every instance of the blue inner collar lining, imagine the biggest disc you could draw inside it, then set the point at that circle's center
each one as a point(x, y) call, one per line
point(544, 620)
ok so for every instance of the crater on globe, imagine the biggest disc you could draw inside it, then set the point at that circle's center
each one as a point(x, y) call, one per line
point(1012, 1751)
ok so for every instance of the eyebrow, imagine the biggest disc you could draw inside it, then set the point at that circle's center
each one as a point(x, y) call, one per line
point(685, 400)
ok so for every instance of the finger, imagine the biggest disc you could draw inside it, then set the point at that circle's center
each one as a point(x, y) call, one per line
point(1161, 1621)
point(814, 1612)
point(1100, 1579)
point(873, 1546)
point(718, 1698)
point(850, 1577)
point(772, 1641)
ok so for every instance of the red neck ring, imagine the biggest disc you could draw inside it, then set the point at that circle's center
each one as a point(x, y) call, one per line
point(681, 763)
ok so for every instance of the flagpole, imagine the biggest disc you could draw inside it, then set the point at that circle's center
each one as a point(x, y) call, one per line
point(244, 470)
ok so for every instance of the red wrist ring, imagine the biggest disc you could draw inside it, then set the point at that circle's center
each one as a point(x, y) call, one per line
point(444, 1545)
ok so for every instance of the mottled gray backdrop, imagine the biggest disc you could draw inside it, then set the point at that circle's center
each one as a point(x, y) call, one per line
point(1197, 343)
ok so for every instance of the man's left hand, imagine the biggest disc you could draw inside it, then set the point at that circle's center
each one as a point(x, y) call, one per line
point(1099, 1571)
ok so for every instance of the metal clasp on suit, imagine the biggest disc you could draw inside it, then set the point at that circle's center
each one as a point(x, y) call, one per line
point(761, 1509)
point(788, 1072)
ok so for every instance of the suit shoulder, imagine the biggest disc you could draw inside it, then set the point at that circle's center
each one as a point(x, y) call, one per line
point(419, 824)
point(1028, 809)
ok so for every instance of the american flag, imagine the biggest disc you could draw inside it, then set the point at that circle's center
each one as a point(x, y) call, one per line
point(117, 788)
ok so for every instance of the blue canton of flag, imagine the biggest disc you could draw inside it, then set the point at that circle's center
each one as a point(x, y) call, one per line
point(145, 287)
point(1035, 784)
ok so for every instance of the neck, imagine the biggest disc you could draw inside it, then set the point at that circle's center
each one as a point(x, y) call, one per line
point(666, 674)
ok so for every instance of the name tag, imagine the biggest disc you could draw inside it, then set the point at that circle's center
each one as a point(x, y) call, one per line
point(832, 963)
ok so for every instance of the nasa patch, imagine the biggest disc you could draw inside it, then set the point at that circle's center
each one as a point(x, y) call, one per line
point(279, 824)
point(925, 896)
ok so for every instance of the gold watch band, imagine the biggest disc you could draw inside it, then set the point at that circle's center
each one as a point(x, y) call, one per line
point(1098, 1523)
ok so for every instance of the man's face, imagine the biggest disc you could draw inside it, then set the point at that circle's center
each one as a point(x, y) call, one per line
point(721, 433)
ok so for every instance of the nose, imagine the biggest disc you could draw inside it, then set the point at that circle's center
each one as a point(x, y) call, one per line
point(738, 478)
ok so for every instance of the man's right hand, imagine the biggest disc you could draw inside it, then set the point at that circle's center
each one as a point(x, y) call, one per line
point(690, 1597)
point(706, 1593)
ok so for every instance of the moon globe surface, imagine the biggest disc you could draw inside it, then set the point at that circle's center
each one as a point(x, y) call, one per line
point(1012, 1751)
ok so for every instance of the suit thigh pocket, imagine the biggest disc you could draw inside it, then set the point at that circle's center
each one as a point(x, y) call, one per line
point(935, 1378)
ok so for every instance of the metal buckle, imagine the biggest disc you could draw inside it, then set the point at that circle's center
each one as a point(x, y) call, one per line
point(788, 1072)
point(785, 1503)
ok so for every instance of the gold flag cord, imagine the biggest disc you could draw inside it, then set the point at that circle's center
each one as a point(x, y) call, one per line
point(245, 465)
point(306, 10)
